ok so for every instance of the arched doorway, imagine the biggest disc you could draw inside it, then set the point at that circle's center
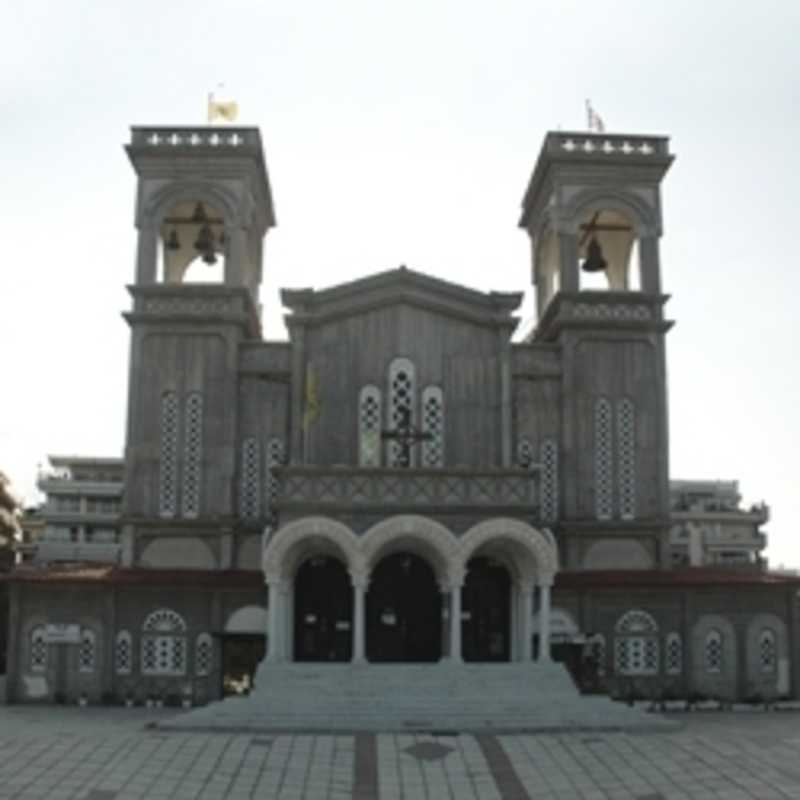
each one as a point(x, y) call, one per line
point(486, 611)
point(404, 611)
point(323, 611)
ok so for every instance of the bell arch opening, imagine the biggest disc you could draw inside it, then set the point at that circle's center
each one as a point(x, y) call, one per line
point(608, 251)
point(193, 244)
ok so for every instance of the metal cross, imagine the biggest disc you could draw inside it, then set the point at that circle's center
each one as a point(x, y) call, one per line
point(406, 436)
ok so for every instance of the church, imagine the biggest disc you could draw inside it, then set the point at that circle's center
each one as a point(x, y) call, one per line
point(402, 480)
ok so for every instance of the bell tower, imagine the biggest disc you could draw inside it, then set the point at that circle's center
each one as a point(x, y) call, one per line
point(592, 210)
point(203, 207)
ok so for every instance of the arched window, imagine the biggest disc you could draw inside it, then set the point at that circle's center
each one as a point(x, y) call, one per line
point(87, 651)
point(203, 652)
point(275, 457)
point(369, 427)
point(548, 493)
point(402, 388)
point(192, 454)
point(250, 484)
point(626, 458)
point(168, 466)
point(636, 644)
point(603, 459)
point(673, 655)
point(164, 644)
point(712, 652)
point(433, 424)
point(38, 650)
point(123, 653)
point(767, 652)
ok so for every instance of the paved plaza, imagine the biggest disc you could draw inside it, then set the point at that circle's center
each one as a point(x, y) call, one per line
point(117, 754)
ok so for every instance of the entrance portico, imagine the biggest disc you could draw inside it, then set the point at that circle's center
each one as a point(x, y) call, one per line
point(407, 575)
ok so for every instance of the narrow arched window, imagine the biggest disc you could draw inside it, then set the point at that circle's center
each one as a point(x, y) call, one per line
point(603, 459)
point(433, 425)
point(38, 649)
point(548, 493)
point(712, 652)
point(401, 392)
point(164, 643)
point(87, 651)
point(123, 653)
point(275, 457)
point(673, 654)
point(203, 653)
point(369, 426)
point(250, 480)
point(168, 464)
point(636, 650)
point(192, 455)
point(626, 458)
point(767, 652)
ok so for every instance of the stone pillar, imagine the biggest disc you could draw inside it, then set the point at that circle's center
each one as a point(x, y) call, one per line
point(455, 622)
point(650, 270)
point(569, 277)
point(236, 257)
point(544, 624)
point(277, 621)
point(146, 255)
point(526, 595)
point(360, 583)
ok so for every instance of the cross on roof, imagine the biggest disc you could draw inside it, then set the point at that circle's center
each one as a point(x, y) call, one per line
point(406, 436)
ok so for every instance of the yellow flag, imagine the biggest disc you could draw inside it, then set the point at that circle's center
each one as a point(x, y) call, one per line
point(227, 110)
point(311, 411)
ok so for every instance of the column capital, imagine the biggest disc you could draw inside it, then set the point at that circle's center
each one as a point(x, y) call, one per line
point(359, 579)
point(453, 579)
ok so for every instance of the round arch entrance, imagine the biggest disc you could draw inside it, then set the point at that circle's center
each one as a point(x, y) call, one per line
point(486, 611)
point(403, 610)
point(323, 611)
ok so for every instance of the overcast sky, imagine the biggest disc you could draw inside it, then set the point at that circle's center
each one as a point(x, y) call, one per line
point(405, 133)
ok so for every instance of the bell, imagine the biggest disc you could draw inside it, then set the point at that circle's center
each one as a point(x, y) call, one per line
point(594, 261)
point(205, 240)
point(173, 243)
point(209, 257)
point(199, 214)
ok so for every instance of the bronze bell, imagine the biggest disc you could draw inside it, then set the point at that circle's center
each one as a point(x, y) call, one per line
point(205, 240)
point(594, 261)
point(173, 243)
point(199, 214)
point(209, 257)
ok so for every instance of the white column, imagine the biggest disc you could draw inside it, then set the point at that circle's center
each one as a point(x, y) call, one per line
point(455, 622)
point(273, 622)
point(544, 624)
point(526, 610)
point(359, 649)
point(287, 607)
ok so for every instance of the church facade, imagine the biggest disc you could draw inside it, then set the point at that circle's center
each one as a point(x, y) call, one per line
point(400, 480)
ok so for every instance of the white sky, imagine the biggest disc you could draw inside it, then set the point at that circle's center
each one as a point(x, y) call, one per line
point(405, 133)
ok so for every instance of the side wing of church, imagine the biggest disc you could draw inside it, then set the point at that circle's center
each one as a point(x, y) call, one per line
point(399, 481)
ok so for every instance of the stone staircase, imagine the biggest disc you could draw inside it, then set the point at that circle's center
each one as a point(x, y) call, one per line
point(414, 697)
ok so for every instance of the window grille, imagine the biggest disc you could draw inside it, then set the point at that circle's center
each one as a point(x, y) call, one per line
point(548, 495)
point(168, 467)
point(598, 651)
point(524, 452)
point(250, 486)
point(636, 650)
point(87, 651)
point(192, 454)
point(767, 652)
point(38, 650)
point(202, 655)
point(433, 423)
point(626, 458)
point(603, 459)
point(164, 644)
point(402, 386)
point(123, 654)
point(369, 427)
point(673, 658)
point(275, 457)
point(713, 652)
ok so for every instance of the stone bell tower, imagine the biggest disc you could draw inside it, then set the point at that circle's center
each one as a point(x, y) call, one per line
point(593, 213)
point(203, 207)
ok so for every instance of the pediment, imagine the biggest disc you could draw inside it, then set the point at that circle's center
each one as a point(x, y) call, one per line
point(400, 286)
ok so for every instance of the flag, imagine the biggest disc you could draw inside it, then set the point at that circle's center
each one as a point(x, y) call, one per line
point(593, 119)
point(311, 410)
point(227, 109)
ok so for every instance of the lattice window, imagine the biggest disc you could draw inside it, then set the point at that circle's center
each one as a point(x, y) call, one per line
point(168, 467)
point(626, 458)
point(673, 655)
point(402, 387)
point(192, 454)
point(603, 459)
point(250, 485)
point(548, 502)
point(369, 427)
point(38, 650)
point(203, 653)
point(767, 652)
point(275, 457)
point(87, 651)
point(164, 643)
point(712, 652)
point(123, 653)
point(598, 652)
point(433, 423)
point(524, 452)
point(636, 650)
